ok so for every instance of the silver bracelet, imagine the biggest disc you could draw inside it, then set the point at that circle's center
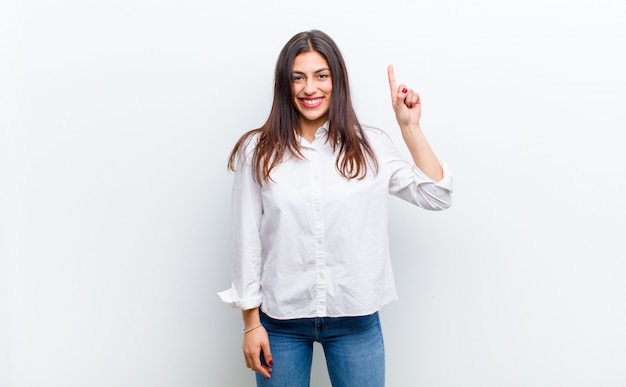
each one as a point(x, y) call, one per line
point(251, 329)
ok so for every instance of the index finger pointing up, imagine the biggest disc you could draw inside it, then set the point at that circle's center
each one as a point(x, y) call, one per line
point(392, 82)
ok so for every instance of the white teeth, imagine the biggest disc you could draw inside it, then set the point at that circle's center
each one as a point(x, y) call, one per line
point(311, 101)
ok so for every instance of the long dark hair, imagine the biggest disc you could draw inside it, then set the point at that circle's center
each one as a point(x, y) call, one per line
point(278, 135)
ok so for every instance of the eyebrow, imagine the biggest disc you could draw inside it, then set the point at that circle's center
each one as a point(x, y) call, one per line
point(314, 72)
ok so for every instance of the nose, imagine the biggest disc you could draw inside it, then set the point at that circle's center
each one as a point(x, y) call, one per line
point(309, 86)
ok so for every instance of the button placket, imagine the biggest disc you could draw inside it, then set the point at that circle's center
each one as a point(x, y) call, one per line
point(318, 234)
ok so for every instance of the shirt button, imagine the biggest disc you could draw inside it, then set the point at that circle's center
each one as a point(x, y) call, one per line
point(321, 275)
point(319, 241)
point(317, 209)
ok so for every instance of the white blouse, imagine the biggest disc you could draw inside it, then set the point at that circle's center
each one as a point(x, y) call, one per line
point(314, 244)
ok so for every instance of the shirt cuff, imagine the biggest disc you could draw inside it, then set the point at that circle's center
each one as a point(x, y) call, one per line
point(231, 296)
point(446, 180)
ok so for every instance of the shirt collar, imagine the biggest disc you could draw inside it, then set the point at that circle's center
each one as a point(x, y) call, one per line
point(321, 132)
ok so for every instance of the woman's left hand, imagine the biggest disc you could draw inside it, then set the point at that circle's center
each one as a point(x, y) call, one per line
point(406, 102)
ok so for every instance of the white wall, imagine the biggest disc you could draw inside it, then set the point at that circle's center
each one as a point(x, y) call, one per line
point(116, 121)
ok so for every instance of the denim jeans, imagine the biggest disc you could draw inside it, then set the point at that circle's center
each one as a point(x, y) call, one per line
point(353, 347)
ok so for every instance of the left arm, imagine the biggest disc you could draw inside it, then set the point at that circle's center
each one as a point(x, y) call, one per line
point(408, 109)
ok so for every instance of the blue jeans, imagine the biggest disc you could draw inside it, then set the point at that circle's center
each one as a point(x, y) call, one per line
point(353, 347)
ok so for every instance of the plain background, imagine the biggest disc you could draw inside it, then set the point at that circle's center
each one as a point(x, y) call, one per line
point(117, 118)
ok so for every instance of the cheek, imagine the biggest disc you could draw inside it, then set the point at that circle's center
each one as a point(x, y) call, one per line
point(295, 89)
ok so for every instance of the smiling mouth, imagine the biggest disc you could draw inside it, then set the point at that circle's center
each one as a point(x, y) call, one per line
point(311, 102)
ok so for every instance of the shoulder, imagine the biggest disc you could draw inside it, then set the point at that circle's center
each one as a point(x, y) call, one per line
point(250, 139)
point(246, 146)
point(374, 134)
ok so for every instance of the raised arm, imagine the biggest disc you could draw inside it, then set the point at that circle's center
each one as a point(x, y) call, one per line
point(408, 109)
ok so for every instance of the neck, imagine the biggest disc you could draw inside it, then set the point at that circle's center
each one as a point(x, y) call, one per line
point(309, 128)
point(308, 134)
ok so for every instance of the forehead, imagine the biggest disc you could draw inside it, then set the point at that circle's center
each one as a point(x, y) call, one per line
point(309, 61)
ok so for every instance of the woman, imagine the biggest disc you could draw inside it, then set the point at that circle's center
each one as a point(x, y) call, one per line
point(309, 239)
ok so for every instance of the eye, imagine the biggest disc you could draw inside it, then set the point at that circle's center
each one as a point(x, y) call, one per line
point(297, 78)
point(323, 76)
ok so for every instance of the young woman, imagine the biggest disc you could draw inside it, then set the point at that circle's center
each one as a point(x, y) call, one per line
point(310, 257)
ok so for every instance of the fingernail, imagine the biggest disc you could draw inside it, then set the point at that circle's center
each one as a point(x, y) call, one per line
point(404, 90)
point(271, 363)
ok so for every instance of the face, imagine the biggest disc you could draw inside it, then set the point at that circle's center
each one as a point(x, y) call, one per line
point(311, 86)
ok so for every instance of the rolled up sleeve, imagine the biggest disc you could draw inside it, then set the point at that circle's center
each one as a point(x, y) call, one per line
point(410, 183)
point(247, 255)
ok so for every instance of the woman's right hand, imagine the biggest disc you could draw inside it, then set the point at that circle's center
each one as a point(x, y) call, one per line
point(256, 344)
